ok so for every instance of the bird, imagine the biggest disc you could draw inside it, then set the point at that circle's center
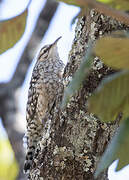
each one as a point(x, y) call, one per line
point(45, 82)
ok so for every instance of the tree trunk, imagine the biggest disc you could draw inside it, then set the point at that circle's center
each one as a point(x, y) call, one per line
point(73, 140)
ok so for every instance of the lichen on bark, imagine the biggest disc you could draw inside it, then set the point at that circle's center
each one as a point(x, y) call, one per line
point(73, 140)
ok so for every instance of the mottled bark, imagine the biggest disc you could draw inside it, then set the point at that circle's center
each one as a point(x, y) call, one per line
point(8, 99)
point(74, 140)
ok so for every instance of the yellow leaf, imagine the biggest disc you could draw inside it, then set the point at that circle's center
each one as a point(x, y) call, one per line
point(112, 98)
point(8, 164)
point(11, 31)
point(114, 52)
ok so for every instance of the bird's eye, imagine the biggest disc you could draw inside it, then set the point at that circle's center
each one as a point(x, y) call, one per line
point(45, 50)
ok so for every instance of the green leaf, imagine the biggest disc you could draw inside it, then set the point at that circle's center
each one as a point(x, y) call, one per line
point(118, 4)
point(11, 31)
point(79, 77)
point(117, 149)
point(113, 50)
point(111, 98)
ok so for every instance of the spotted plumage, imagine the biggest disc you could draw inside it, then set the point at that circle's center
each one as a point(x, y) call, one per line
point(45, 81)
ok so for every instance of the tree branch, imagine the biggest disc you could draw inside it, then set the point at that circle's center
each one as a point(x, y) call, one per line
point(73, 141)
point(101, 8)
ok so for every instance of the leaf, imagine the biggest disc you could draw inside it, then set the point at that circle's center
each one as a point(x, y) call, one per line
point(118, 4)
point(117, 149)
point(8, 165)
point(79, 77)
point(111, 98)
point(113, 51)
point(11, 31)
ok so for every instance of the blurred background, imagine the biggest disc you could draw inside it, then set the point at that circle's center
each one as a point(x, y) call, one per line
point(45, 21)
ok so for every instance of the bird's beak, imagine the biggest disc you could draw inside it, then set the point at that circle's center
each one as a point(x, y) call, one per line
point(55, 42)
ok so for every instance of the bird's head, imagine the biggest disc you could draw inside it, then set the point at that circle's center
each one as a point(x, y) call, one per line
point(48, 51)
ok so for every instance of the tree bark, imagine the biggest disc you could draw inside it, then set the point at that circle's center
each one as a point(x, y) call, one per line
point(73, 140)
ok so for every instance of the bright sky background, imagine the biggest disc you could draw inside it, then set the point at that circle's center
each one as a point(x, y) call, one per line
point(60, 26)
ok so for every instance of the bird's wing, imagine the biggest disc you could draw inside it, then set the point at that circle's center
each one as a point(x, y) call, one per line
point(42, 102)
point(37, 103)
